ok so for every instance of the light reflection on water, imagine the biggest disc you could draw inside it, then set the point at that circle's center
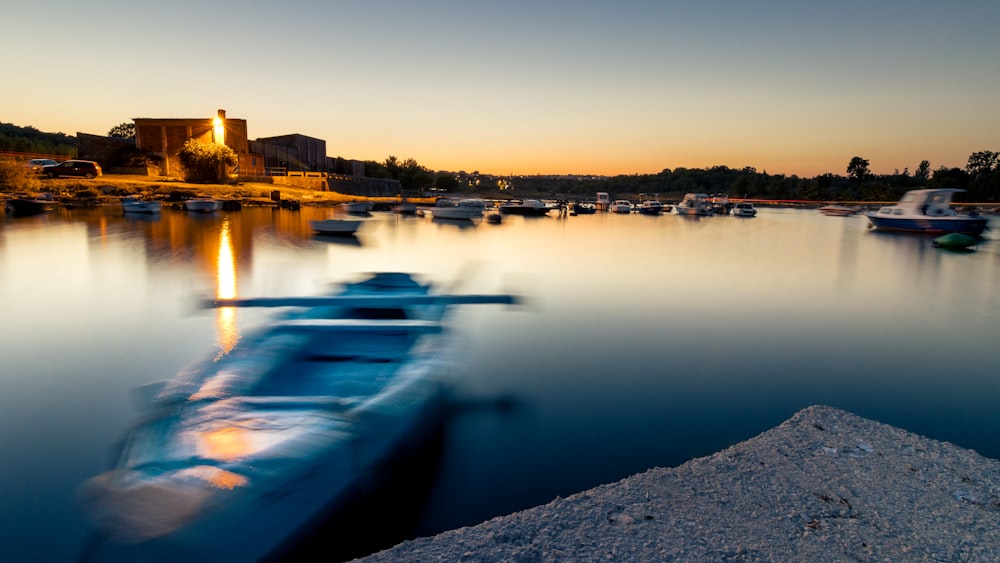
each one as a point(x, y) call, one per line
point(646, 341)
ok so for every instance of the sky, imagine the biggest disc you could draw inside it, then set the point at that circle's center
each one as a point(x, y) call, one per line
point(531, 87)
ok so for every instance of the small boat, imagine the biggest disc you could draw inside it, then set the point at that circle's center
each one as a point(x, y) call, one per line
point(583, 208)
point(202, 204)
point(136, 205)
point(239, 454)
point(834, 210)
point(694, 204)
point(927, 211)
point(460, 209)
point(956, 241)
point(22, 206)
point(744, 209)
point(357, 207)
point(650, 207)
point(720, 204)
point(526, 207)
point(602, 201)
point(621, 206)
point(336, 227)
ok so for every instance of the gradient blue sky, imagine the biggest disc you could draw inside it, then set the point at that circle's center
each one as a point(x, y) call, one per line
point(539, 87)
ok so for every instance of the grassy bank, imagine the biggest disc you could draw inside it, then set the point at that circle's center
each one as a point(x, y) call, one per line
point(111, 187)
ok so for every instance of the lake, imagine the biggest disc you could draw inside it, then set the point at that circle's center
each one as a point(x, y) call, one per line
point(644, 341)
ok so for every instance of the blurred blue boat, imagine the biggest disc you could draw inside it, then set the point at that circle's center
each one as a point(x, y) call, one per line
point(237, 454)
point(927, 211)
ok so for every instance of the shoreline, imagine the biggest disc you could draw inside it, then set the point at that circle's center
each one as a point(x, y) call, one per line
point(825, 485)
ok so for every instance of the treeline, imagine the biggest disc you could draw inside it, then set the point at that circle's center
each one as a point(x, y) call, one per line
point(981, 179)
point(30, 140)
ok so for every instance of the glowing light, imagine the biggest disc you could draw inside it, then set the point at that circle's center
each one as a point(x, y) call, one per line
point(219, 131)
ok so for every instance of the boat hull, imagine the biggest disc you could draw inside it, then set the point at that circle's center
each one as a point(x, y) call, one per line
point(202, 205)
point(147, 207)
point(336, 227)
point(27, 206)
point(456, 212)
point(525, 211)
point(929, 225)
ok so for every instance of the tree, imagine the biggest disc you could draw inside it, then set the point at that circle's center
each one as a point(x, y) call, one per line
point(857, 169)
point(923, 172)
point(446, 182)
point(982, 163)
point(206, 162)
point(124, 130)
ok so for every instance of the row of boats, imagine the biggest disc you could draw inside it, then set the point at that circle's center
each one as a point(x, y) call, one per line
point(922, 211)
point(34, 205)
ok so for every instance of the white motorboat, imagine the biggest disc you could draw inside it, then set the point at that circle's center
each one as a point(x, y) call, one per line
point(239, 453)
point(744, 209)
point(202, 204)
point(927, 211)
point(650, 207)
point(336, 227)
point(461, 209)
point(694, 204)
point(526, 207)
point(621, 206)
point(136, 205)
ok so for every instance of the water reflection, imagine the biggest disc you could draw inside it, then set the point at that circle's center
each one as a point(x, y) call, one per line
point(226, 288)
point(651, 340)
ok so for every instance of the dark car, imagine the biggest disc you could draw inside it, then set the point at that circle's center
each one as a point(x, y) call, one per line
point(84, 168)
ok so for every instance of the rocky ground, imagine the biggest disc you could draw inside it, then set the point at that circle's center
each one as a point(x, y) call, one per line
point(825, 485)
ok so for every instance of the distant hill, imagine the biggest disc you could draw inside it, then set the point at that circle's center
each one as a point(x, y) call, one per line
point(30, 140)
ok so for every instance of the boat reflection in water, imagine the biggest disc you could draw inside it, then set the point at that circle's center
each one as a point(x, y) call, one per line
point(246, 450)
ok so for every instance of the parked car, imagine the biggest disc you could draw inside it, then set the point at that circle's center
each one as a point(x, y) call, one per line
point(85, 168)
point(36, 164)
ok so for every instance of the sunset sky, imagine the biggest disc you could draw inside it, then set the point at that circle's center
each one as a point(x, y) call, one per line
point(531, 87)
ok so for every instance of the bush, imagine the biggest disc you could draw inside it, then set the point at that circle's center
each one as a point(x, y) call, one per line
point(16, 177)
point(206, 162)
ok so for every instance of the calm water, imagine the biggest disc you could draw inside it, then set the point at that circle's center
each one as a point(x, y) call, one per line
point(646, 340)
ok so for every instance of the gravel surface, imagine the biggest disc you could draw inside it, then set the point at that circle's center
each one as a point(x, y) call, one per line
point(825, 485)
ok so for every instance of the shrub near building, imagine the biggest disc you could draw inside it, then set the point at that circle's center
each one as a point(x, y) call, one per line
point(206, 162)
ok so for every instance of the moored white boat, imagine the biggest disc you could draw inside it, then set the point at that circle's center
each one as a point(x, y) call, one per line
point(744, 209)
point(459, 209)
point(694, 204)
point(621, 206)
point(337, 227)
point(239, 453)
point(927, 211)
point(526, 207)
